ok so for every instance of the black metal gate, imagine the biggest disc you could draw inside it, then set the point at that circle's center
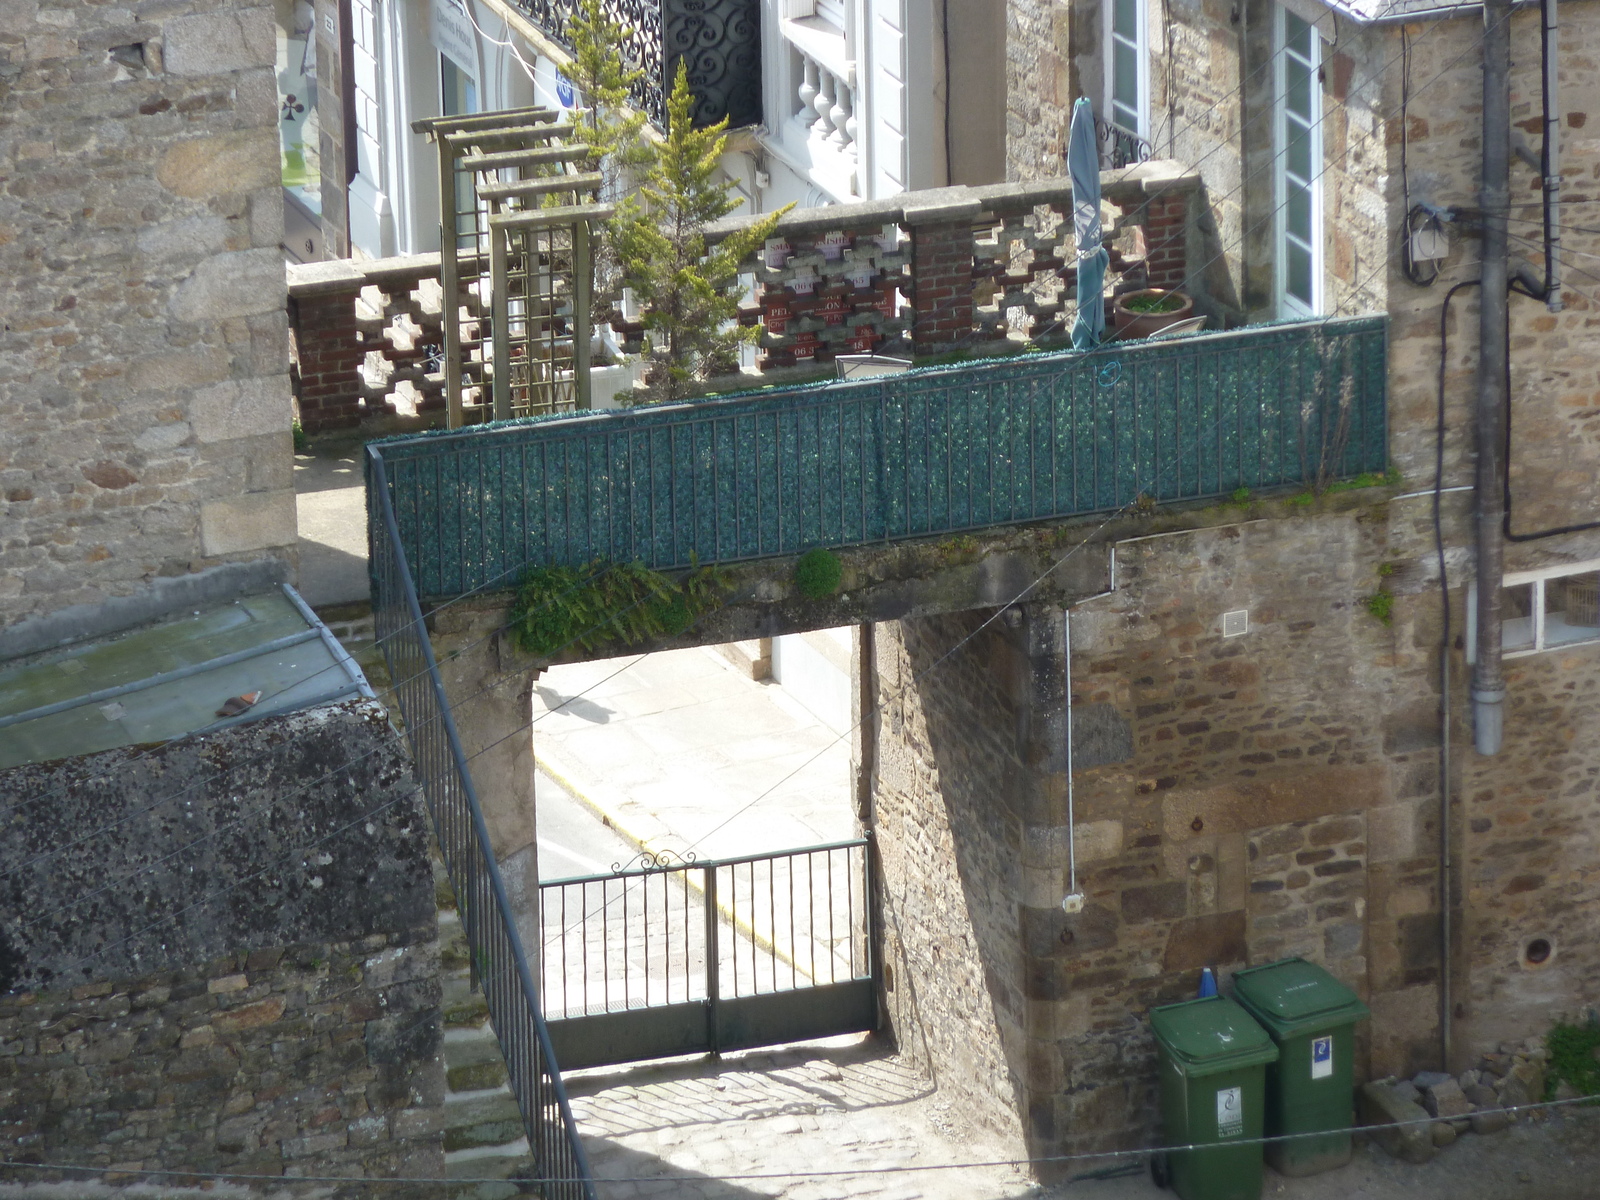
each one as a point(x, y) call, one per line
point(682, 957)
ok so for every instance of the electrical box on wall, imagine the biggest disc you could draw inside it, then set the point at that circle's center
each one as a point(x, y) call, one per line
point(1429, 243)
point(1236, 623)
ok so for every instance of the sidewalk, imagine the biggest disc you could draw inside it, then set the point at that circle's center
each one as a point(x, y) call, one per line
point(679, 751)
point(331, 511)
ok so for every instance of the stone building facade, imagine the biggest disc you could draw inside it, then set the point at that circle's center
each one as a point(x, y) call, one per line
point(143, 363)
point(1275, 788)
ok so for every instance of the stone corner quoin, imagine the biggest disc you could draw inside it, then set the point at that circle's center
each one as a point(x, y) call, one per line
point(141, 216)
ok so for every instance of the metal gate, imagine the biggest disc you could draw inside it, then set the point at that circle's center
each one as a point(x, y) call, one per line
point(682, 957)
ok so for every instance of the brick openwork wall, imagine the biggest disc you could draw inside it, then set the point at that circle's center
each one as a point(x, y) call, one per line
point(143, 364)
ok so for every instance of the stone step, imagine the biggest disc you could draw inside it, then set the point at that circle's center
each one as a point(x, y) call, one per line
point(489, 1162)
point(487, 1117)
point(462, 1007)
point(471, 1047)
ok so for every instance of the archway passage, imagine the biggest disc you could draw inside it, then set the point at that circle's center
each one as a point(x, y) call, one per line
point(702, 879)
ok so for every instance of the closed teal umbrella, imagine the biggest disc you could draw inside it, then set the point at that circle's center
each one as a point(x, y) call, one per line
point(1083, 165)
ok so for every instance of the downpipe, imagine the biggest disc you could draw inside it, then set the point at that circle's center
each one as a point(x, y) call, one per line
point(1488, 678)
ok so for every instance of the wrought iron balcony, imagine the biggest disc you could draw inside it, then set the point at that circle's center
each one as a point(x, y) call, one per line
point(1118, 147)
point(719, 39)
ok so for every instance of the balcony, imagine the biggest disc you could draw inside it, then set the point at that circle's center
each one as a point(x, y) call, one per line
point(1022, 434)
point(720, 39)
point(930, 452)
point(968, 270)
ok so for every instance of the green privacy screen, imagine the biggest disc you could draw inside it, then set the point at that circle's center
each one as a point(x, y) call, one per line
point(928, 452)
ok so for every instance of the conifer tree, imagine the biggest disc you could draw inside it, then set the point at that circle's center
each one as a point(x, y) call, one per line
point(688, 291)
point(603, 80)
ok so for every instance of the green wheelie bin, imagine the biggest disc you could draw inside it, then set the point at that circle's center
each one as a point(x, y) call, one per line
point(1213, 1056)
point(1312, 1018)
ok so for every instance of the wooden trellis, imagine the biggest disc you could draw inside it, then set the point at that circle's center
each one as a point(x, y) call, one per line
point(517, 213)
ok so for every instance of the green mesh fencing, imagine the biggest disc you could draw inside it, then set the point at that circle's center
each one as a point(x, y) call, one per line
point(929, 452)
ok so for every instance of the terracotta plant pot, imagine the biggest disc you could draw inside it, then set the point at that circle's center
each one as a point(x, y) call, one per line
point(1130, 324)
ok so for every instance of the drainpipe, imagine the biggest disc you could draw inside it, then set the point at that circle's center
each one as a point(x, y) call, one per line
point(1072, 902)
point(1488, 680)
point(1550, 152)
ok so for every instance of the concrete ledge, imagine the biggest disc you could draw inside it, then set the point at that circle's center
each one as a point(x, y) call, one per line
point(162, 598)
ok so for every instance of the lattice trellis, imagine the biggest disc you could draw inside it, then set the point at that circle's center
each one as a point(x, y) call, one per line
point(517, 215)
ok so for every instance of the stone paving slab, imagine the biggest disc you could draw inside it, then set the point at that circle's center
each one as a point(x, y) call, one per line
point(844, 1106)
point(666, 747)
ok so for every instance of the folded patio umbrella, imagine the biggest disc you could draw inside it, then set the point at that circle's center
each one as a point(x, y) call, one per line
point(1083, 165)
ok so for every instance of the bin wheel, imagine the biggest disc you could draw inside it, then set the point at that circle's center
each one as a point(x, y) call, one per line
point(1160, 1170)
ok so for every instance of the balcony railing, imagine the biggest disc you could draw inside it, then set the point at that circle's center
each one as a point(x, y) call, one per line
point(929, 452)
point(973, 269)
point(720, 40)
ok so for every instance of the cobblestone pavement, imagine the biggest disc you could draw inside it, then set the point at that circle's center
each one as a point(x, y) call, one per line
point(844, 1105)
point(852, 1110)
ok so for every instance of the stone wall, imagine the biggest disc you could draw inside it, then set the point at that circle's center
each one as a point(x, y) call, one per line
point(1040, 87)
point(221, 954)
point(946, 818)
point(1555, 385)
point(308, 1059)
point(1237, 800)
point(143, 368)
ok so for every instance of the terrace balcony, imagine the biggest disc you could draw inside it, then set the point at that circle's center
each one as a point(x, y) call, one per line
point(993, 427)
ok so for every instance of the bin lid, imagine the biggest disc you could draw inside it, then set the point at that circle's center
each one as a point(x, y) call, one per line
point(1293, 996)
point(1211, 1035)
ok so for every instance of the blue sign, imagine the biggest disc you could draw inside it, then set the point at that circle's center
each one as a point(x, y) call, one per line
point(564, 91)
point(1321, 1057)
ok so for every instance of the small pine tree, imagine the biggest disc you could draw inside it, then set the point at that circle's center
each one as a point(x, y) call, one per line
point(611, 129)
point(689, 292)
point(603, 82)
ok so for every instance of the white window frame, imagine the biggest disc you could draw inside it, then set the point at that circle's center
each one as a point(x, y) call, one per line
point(1141, 57)
point(1538, 578)
point(1288, 305)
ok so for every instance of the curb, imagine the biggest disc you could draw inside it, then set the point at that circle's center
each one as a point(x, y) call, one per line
point(562, 775)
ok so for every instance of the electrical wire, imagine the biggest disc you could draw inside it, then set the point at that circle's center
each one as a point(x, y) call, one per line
point(1110, 349)
point(1106, 349)
point(1143, 1152)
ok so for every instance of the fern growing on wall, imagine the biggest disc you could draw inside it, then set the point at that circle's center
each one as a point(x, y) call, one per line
point(607, 603)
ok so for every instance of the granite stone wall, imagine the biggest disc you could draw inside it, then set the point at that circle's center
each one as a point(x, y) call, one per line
point(310, 1059)
point(221, 954)
point(947, 828)
point(143, 358)
point(1237, 799)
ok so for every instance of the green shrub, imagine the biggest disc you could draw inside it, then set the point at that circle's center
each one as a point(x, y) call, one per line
point(1572, 1059)
point(299, 435)
point(1380, 605)
point(588, 607)
point(818, 574)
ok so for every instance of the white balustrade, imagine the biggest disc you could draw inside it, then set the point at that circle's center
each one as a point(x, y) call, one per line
point(827, 103)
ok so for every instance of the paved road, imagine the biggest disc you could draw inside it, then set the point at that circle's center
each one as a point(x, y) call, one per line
point(614, 943)
point(572, 840)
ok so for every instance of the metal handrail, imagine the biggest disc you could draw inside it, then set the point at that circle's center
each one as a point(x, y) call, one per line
point(499, 963)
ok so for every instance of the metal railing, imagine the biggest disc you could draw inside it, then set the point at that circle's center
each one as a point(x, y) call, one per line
point(720, 39)
point(499, 965)
point(708, 955)
point(927, 452)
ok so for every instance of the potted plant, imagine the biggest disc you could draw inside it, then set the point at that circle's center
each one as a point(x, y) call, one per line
point(1149, 310)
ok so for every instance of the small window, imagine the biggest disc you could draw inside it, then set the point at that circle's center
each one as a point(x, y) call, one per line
point(1298, 166)
point(1127, 53)
point(1543, 610)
